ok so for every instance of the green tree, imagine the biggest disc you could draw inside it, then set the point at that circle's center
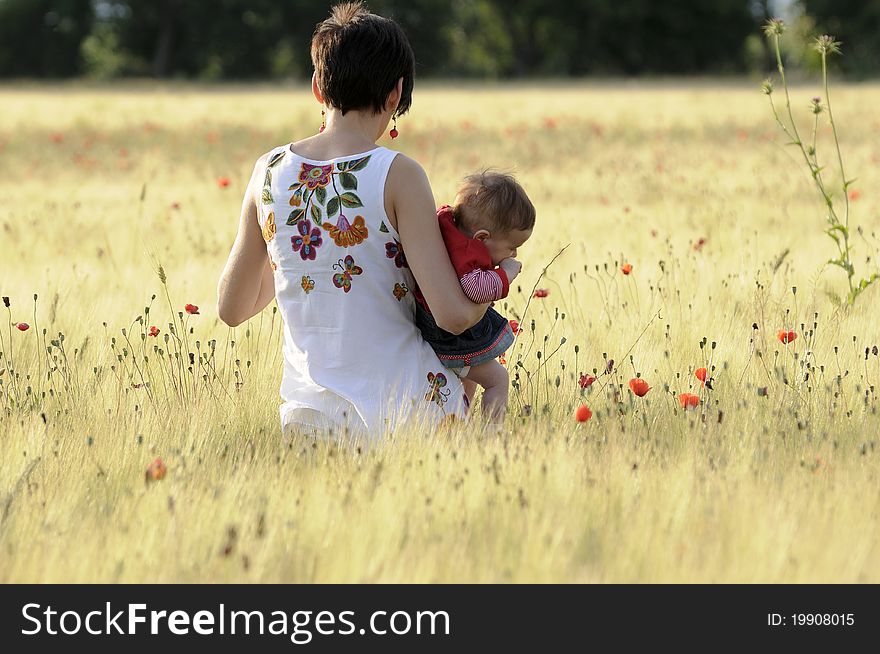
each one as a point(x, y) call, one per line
point(856, 23)
point(41, 38)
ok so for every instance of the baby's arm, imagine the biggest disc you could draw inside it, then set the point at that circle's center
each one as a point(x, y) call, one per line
point(490, 285)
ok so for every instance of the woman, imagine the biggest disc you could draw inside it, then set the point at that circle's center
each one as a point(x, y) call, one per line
point(324, 226)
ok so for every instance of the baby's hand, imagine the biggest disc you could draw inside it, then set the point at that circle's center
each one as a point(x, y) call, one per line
point(512, 267)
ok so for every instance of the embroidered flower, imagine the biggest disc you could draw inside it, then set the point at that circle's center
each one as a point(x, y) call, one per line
point(307, 284)
point(269, 227)
point(394, 250)
point(307, 241)
point(315, 176)
point(346, 234)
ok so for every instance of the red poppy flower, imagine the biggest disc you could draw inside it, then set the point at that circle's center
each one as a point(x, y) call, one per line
point(222, 182)
point(700, 373)
point(502, 360)
point(175, 205)
point(542, 292)
point(639, 386)
point(586, 381)
point(855, 195)
point(57, 138)
point(514, 325)
point(154, 331)
point(191, 309)
point(699, 244)
point(786, 337)
point(156, 470)
point(688, 400)
point(22, 326)
point(626, 268)
point(583, 413)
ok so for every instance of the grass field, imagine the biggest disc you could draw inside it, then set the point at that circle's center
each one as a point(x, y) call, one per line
point(772, 478)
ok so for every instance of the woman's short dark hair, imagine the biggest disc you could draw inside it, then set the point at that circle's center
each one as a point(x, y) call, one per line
point(358, 58)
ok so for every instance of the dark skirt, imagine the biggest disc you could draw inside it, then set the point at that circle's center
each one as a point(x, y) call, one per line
point(486, 340)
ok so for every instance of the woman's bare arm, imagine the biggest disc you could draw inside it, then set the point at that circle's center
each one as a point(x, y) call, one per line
point(246, 285)
point(410, 200)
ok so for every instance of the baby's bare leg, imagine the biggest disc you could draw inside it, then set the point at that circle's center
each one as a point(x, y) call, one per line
point(470, 387)
point(493, 377)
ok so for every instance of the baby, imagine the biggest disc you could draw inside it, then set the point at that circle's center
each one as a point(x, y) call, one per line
point(491, 217)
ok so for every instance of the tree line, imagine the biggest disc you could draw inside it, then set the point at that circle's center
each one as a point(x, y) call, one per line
point(259, 39)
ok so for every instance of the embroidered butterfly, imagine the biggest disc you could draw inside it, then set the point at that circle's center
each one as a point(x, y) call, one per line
point(400, 291)
point(349, 269)
point(307, 284)
point(394, 250)
point(437, 393)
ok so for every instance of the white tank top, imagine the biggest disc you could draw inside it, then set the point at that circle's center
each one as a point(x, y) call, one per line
point(353, 357)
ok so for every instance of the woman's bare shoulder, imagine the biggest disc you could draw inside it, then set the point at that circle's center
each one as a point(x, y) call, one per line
point(405, 171)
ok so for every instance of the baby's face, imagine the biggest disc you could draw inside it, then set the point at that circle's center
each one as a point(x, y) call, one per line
point(502, 245)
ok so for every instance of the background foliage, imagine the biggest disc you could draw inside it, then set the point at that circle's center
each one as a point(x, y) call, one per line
point(243, 39)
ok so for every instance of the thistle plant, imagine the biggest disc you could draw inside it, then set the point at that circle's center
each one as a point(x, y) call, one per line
point(837, 229)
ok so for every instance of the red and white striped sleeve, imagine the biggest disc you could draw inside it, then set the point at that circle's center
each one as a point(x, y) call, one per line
point(485, 285)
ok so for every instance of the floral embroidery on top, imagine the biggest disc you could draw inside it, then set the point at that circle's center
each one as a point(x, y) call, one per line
point(269, 227)
point(315, 176)
point(343, 279)
point(437, 393)
point(346, 234)
point(307, 241)
point(310, 199)
point(267, 182)
point(400, 291)
point(394, 250)
point(307, 284)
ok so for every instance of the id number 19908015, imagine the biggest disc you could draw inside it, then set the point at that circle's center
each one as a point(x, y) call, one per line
point(811, 620)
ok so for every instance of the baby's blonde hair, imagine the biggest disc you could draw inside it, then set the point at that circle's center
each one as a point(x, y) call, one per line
point(493, 200)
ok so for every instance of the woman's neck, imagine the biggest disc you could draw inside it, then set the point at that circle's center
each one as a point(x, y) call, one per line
point(356, 131)
point(364, 127)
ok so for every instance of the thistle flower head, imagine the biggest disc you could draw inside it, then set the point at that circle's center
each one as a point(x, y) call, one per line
point(774, 27)
point(816, 105)
point(767, 86)
point(826, 45)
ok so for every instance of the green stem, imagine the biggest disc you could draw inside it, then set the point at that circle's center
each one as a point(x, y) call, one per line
point(849, 270)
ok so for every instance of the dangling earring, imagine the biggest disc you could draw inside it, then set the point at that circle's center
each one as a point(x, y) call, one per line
point(323, 122)
point(393, 133)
